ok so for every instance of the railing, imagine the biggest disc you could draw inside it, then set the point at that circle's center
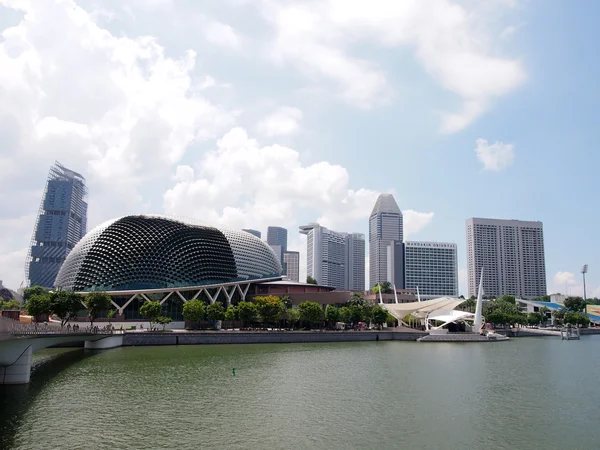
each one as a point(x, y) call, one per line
point(14, 327)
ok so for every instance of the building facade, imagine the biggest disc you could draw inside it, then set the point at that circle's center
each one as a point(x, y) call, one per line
point(326, 255)
point(395, 264)
point(61, 223)
point(385, 227)
point(432, 267)
point(291, 263)
point(253, 232)
point(355, 261)
point(511, 254)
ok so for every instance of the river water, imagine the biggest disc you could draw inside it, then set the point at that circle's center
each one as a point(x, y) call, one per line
point(524, 394)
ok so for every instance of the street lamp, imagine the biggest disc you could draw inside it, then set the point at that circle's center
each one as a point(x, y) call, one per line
point(583, 272)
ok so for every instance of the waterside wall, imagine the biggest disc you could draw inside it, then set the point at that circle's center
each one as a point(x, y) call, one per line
point(272, 337)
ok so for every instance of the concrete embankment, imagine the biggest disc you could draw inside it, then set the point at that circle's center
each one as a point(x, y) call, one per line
point(270, 337)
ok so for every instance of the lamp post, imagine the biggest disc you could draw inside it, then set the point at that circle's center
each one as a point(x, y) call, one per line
point(584, 270)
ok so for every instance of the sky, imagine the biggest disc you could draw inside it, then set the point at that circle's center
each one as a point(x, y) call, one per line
point(249, 113)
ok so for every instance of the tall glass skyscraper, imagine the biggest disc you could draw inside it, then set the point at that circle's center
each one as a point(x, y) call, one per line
point(385, 229)
point(61, 223)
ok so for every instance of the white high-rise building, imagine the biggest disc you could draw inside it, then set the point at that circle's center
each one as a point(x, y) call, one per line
point(325, 255)
point(511, 253)
point(385, 227)
point(355, 262)
point(291, 263)
point(432, 267)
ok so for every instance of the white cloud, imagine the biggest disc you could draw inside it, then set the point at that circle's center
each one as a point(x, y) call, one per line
point(317, 37)
point(283, 121)
point(222, 35)
point(564, 278)
point(496, 156)
point(414, 221)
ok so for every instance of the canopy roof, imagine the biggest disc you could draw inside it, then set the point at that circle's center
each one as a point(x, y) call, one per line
point(424, 308)
point(450, 316)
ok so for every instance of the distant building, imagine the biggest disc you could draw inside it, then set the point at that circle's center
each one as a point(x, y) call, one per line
point(395, 264)
point(385, 227)
point(61, 223)
point(291, 262)
point(355, 261)
point(432, 267)
point(253, 232)
point(511, 253)
point(277, 240)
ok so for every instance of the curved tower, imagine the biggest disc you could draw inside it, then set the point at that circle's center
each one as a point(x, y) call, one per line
point(61, 223)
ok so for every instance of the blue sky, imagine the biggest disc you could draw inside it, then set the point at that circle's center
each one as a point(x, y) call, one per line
point(255, 112)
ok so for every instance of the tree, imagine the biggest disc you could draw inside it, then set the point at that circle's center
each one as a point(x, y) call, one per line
point(356, 314)
point(356, 299)
point(310, 313)
point(345, 314)
point(96, 303)
point(332, 314)
point(534, 318)
point(468, 305)
point(151, 310)
point(391, 320)
point(286, 301)
point(164, 321)
point(576, 304)
point(65, 305)
point(367, 308)
point(507, 298)
point(247, 312)
point(576, 318)
point(194, 311)
point(544, 312)
point(33, 290)
point(502, 312)
point(379, 316)
point(230, 314)
point(10, 304)
point(293, 316)
point(215, 311)
point(311, 280)
point(38, 305)
point(559, 315)
point(269, 308)
point(111, 315)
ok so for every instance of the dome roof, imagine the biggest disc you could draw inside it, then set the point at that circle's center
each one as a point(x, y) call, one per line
point(153, 252)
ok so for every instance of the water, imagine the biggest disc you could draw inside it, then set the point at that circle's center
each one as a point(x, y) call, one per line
point(528, 393)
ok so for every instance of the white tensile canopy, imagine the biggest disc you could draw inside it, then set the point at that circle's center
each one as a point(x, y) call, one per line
point(425, 308)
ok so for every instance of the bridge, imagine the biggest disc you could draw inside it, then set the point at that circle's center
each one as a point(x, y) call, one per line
point(18, 341)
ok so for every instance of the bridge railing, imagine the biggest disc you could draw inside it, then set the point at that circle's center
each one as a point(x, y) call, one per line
point(10, 326)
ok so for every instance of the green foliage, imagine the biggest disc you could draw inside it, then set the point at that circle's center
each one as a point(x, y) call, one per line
point(269, 308)
point(559, 314)
point(508, 299)
point(95, 303)
point(367, 308)
point(311, 280)
point(380, 315)
point(33, 290)
point(151, 310)
point(311, 313)
point(216, 311)
point(535, 318)
point(503, 311)
point(356, 314)
point(593, 301)
point(293, 316)
point(230, 313)
point(162, 320)
point(194, 310)
point(38, 304)
point(65, 305)
point(345, 314)
point(576, 304)
point(356, 299)
point(286, 301)
point(576, 318)
point(332, 314)
point(111, 315)
point(468, 305)
point(391, 320)
point(247, 312)
point(10, 304)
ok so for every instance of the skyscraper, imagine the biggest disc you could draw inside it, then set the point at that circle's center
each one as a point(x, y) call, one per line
point(326, 255)
point(385, 227)
point(511, 253)
point(61, 223)
point(277, 239)
point(252, 232)
point(355, 261)
point(291, 261)
point(433, 267)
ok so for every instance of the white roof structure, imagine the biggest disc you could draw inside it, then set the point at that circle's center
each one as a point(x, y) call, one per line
point(424, 308)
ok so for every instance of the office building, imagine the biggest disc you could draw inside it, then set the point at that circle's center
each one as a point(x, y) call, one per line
point(511, 253)
point(61, 223)
point(277, 239)
point(355, 261)
point(326, 255)
point(253, 232)
point(291, 262)
point(432, 267)
point(395, 264)
point(385, 227)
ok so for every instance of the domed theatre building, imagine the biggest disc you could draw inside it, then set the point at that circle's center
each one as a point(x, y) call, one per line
point(172, 260)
